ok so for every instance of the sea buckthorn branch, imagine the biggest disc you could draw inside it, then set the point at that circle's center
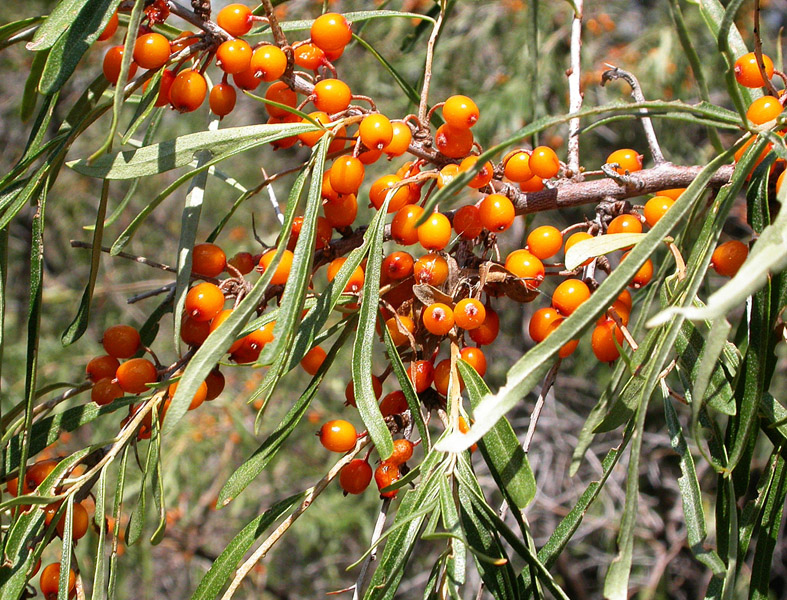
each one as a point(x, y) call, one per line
point(311, 495)
point(574, 91)
point(193, 18)
point(758, 51)
point(424, 105)
point(140, 259)
point(372, 556)
point(636, 92)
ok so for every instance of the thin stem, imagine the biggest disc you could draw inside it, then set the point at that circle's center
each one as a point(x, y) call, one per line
point(423, 106)
point(193, 18)
point(531, 428)
point(636, 92)
point(758, 51)
point(575, 94)
point(135, 258)
point(378, 531)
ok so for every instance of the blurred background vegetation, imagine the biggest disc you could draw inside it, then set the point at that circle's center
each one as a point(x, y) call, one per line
point(511, 56)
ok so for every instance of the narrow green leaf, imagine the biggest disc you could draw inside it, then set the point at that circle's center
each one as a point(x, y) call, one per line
point(78, 326)
point(99, 519)
point(30, 94)
point(598, 246)
point(9, 30)
point(457, 558)
point(61, 19)
point(255, 464)
point(693, 511)
point(66, 550)
point(137, 520)
point(500, 447)
point(212, 582)
point(179, 152)
point(302, 262)
point(363, 348)
point(408, 89)
point(74, 38)
point(768, 527)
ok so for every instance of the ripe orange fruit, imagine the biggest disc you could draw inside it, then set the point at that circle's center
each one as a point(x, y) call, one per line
point(188, 91)
point(747, 73)
point(331, 32)
point(151, 51)
point(438, 318)
point(134, 375)
point(282, 272)
point(121, 341)
point(627, 160)
point(460, 112)
point(234, 56)
point(235, 19)
point(728, 257)
point(338, 436)
point(355, 476)
point(545, 241)
point(496, 213)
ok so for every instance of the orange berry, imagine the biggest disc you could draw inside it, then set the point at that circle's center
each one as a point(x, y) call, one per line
point(346, 174)
point(282, 272)
point(643, 276)
point(105, 391)
point(438, 318)
point(183, 40)
point(656, 208)
point(603, 341)
point(625, 224)
point(728, 257)
point(475, 358)
point(381, 188)
point(355, 283)
point(517, 166)
point(483, 177)
point(188, 91)
point(764, 109)
point(101, 367)
point(627, 160)
point(403, 229)
point(355, 476)
point(460, 112)
point(342, 211)
point(235, 19)
point(487, 332)
point(394, 326)
point(431, 268)
point(569, 295)
point(525, 265)
point(310, 138)
point(216, 322)
point(331, 32)
point(543, 162)
point(243, 262)
point(400, 141)
point(309, 56)
point(247, 80)
point(464, 428)
point(204, 301)
point(394, 403)
point(215, 383)
point(673, 193)
point(257, 339)
point(112, 62)
point(375, 131)
point(446, 175)
point(453, 142)
point(151, 51)
point(313, 359)
point(402, 452)
point(397, 265)
point(435, 233)
point(496, 213)
point(110, 28)
point(199, 396)
point(79, 522)
point(469, 313)
point(747, 73)
point(540, 322)
point(331, 95)
point(50, 581)
point(545, 241)
point(442, 376)
point(349, 391)
point(566, 349)
point(421, 374)
point(534, 184)
point(268, 62)
point(234, 56)
point(467, 222)
point(164, 86)
point(286, 142)
point(208, 260)
point(194, 332)
point(280, 92)
point(134, 375)
point(121, 341)
point(338, 436)
point(386, 474)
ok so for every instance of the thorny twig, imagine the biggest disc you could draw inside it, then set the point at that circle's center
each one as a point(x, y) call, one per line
point(574, 91)
point(378, 531)
point(135, 258)
point(636, 92)
point(531, 428)
point(758, 51)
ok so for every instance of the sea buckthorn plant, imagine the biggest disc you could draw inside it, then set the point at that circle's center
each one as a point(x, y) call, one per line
point(433, 302)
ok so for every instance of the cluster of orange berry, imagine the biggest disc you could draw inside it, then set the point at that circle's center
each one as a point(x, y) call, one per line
point(185, 89)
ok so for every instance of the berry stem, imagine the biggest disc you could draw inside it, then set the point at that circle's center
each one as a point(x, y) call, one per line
point(636, 92)
point(423, 105)
point(758, 51)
